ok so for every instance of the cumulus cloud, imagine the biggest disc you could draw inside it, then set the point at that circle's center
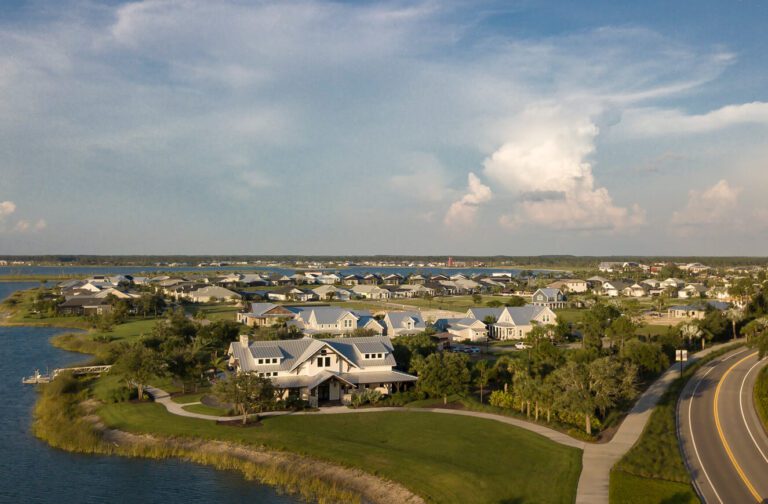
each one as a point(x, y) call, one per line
point(712, 206)
point(463, 211)
point(545, 166)
point(6, 209)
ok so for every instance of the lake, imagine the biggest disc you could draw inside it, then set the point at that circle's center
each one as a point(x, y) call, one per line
point(32, 472)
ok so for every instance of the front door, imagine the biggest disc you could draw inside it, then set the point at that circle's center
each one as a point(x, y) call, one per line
point(323, 392)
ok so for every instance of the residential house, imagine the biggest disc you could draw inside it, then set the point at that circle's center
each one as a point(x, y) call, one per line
point(370, 291)
point(570, 285)
point(399, 323)
point(265, 314)
point(291, 294)
point(392, 279)
point(512, 322)
point(328, 279)
point(321, 370)
point(551, 298)
point(693, 290)
point(211, 294)
point(463, 328)
point(614, 288)
point(333, 320)
point(331, 292)
point(637, 289)
point(351, 280)
point(83, 305)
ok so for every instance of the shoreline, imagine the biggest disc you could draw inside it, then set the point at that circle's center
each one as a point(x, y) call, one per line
point(295, 474)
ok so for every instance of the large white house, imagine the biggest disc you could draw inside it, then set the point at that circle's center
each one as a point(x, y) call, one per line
point(512, 322)
point(551, 298)
point(321, 370)
point(333, 320)
point(398, 323)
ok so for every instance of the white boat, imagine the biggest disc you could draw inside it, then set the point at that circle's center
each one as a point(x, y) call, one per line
point(36, 378)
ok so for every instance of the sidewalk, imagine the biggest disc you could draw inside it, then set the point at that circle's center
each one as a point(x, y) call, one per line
point(598, 459)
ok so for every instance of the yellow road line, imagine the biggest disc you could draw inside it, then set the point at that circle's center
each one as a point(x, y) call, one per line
point(722, 435)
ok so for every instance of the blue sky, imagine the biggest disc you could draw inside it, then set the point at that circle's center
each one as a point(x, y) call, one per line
point(191, 126)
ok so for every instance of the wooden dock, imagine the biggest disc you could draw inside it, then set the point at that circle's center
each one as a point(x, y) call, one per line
point(76, 371)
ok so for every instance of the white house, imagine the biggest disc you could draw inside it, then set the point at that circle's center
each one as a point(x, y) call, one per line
point(464, 328)
point(614, 288)
point(265, 314)
point(570, 285)
point(551, 298)
point(332, 320)
point(513, 322)
point(398, 323)
point(370, 292)
point(331, 292)
point(692, 291)
point(321, 370)
point(208, 294)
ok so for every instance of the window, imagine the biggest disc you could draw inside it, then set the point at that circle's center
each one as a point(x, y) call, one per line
point(323, 362)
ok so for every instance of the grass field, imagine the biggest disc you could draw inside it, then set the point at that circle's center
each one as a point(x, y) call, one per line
point(630, 489)
point(206, 410)
point(441, 457)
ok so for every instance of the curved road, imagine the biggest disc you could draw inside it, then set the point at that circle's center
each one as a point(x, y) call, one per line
point(724, 444)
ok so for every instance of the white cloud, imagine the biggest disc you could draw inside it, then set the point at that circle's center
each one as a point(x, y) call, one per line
point(712, 206)
point(6, 209)
point(426, 181)
point(256, 179)
point(657, 122)
point(463, 211)
point(545, 166)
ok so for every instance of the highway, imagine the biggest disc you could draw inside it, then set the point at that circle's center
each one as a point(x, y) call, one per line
point(724, 444)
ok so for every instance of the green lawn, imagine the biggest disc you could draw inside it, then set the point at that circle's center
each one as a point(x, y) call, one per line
point(441, 457)
point(629, 489)
point(214, 312)
point(206, 410)
point(188, 398)
point(761, 396)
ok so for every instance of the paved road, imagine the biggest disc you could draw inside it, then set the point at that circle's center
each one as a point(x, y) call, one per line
point(724, 444)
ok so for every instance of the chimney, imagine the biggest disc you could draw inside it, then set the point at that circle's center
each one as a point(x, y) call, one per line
point(244, 340)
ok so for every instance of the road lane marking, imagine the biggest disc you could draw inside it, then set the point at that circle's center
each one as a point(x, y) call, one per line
point(722, 434)
point(741, 406)
point(735, 354)
point(693, 438)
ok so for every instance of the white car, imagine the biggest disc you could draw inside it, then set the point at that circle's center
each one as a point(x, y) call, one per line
point(522, 345)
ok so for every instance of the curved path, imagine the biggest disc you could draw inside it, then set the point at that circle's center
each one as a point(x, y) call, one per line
point(598, 459)
point(723, 441)
point(162, 397)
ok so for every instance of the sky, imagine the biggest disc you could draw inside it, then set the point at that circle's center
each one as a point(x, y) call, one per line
point(427, 127)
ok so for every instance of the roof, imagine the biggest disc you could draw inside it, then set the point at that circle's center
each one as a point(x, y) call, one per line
point(83, 301)
point(398, 318)
point(295, 352)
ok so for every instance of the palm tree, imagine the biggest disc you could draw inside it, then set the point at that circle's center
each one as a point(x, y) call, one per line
point(735, 315)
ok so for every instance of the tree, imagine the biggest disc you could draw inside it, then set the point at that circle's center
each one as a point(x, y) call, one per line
point(648, 357)
point(735, 315)
point(477, 298)
point(407, 347)
point(442, 374)
point(757, 335)
point(483, 374)
point(139, 364)
point(247, 392)
point(621, 329)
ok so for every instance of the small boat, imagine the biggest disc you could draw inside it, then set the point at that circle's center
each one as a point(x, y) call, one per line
point(36, 378)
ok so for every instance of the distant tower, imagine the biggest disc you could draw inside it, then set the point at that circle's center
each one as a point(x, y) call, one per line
point(450, 262)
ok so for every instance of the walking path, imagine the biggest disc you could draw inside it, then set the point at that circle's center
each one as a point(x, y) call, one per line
point(597, 460)
point(162, 397)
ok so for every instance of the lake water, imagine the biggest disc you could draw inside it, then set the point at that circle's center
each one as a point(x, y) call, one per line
point(143, 270)
point(32, 472)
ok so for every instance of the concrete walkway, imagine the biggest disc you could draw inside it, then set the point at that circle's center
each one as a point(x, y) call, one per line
point(598, 459)
point(162, 397)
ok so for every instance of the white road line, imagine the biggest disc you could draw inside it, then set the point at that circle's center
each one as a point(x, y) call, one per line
point(743, 417)
point(735, 354)
point(693, 439)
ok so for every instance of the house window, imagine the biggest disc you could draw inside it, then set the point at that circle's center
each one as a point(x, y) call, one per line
point(323, 362)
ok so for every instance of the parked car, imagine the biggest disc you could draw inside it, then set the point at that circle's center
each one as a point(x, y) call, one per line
point(474, 350)
point(522, 345)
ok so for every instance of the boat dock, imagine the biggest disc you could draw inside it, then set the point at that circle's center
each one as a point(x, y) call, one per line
point(76, 371)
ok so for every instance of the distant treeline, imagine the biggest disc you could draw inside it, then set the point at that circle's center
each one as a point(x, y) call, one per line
point(580, 262)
